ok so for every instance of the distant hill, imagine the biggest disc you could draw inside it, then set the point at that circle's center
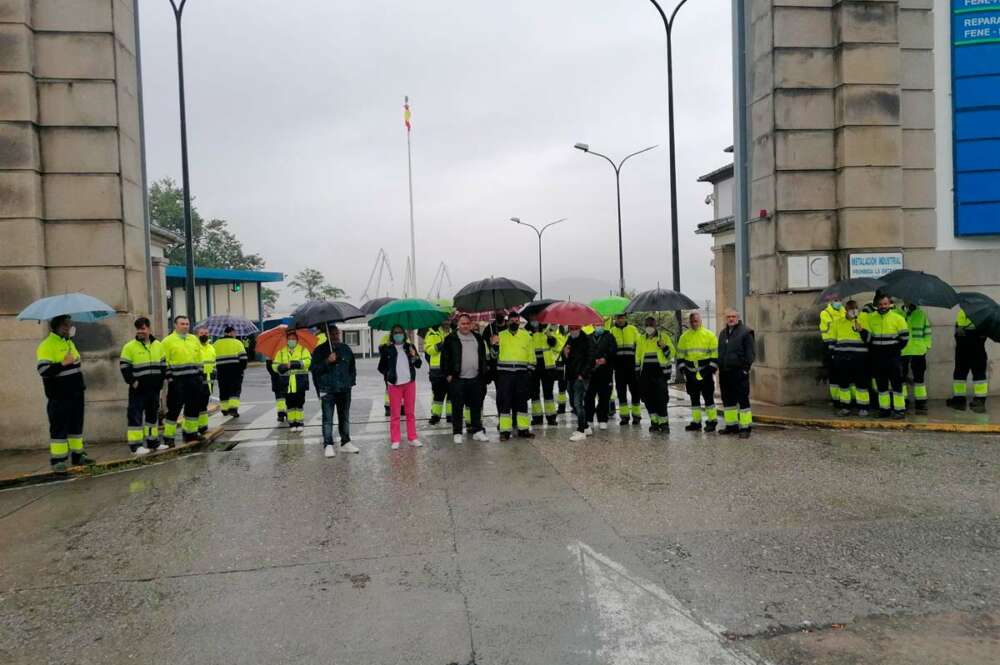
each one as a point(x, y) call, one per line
point(580, 289)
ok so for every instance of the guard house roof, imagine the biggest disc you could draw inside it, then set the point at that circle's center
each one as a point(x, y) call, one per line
point(177, 274)
point(716, 226)
point(718, 175)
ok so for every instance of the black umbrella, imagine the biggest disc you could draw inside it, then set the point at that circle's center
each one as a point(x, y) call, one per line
point(317, 312)
point(983, 311)
point(373, 305)
point(660, 300)
point(848, 287)
point(535, 307)
point(919, 288)
point(492, 294)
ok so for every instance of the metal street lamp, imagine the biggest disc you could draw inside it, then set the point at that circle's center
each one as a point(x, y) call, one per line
point(618, 185)
point(178, 7)
point(539, 232)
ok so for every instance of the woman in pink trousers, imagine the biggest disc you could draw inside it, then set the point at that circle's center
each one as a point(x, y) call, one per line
point(397, 363)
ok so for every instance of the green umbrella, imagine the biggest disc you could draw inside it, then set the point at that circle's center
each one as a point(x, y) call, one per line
point(609, 306)
point(411, 313)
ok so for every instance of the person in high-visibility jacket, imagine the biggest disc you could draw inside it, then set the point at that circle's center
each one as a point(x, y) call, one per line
point(653, 361)
point(230, 364)
point(736, 358)
point(515, 363)
point(292, 363)
point(62, 377)
point(830, 315)
point(889, 336)
point(850, 359)
point(185, 381)
point(543, 377)
point(697, 358)
point(562, 385)
point(142, 366)
point(208, 362)
point(914, 354)
point(440, 405)
point(626, 378)
point(970, 357)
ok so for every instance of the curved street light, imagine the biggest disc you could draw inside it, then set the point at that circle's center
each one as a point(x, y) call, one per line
point(539, 232)
point(618, 185)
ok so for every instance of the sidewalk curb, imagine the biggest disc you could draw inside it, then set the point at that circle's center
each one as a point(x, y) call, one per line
point(42, 477)
point(870, 424)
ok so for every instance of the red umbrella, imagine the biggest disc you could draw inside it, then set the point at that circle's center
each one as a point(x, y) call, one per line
point(570, 314)
point(272, 341)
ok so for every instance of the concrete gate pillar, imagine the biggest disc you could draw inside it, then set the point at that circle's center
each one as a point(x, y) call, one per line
point(842, 160)
point(71, 201)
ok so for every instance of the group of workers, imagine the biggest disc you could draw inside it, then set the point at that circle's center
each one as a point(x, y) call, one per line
point(875, 353)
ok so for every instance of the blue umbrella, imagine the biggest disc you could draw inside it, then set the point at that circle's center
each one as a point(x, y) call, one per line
point(218, 323)
point(79, 307)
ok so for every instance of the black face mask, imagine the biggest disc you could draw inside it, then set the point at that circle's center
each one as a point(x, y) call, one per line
point(513, 327)
point(203, 338)
point(620, 324)
point(534, 325)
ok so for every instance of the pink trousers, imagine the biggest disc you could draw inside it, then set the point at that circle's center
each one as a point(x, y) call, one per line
point(406, 395)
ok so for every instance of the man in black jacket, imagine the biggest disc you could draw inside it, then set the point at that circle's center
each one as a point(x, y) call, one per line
point(578, 358)
point(736, 356)
point(465, 366)
point(605, 353)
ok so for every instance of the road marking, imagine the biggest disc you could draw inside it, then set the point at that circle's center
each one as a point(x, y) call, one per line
point(640, 622)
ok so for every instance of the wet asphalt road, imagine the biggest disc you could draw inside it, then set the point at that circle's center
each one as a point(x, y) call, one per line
point(622, 549)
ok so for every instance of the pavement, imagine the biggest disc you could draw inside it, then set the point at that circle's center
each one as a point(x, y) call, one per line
point(939, 418)
point(797, 546)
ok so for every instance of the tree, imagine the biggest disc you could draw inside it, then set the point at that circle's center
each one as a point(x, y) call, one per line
point(269, 298)
point(312, 284)
point(215, 246)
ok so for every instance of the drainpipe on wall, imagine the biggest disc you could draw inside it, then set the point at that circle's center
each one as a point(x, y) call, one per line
point(741, 150)
point(150, 287)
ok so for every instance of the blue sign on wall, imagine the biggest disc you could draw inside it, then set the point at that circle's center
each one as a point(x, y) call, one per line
point(975, 77)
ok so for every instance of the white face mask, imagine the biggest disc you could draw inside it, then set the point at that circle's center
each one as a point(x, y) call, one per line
point(292, 343)
point(72, 332)
point(650, 330)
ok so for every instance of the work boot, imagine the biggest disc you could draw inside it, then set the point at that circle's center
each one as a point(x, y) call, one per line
point(60, 466)
point(921, 407)
point(235, 413)
point(624, 420)
point(447, 419)
point(434, 420)
point(730, 429)
point(551, 420)
point(978, 404)
point(862, 413)
point(505, 436)
point(884, 413)
point(525, 434)
point(956, 402)
point(745, 433)
point(636, 420)
point(692, 427)
point(536, 420)
point(654, 427)
point(664, 428)
point(899, 415)
point(282, 416)
point(711, 425)
point(79, 459)
point(844, 412)
point(561, 410)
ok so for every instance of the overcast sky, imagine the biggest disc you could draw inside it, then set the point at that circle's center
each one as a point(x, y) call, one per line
point(296, 133)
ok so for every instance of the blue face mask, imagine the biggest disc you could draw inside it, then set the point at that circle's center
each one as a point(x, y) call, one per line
point(598, 329)
point(836, 305)
point(398, 338)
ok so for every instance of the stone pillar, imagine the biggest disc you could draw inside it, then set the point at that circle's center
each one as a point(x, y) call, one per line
point(71, 205)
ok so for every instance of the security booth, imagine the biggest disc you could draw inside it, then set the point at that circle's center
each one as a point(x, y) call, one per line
point(219, 291)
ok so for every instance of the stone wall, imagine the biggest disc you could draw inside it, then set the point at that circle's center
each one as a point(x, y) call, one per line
point(843, 160)
point(71, 205)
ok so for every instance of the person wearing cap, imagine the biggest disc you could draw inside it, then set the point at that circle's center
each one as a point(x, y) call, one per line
point(230, 364)
point(62, 377)
point(515, 361)
point(292, 364)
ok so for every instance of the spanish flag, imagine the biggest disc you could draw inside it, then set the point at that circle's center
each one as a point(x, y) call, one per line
point(406, 113)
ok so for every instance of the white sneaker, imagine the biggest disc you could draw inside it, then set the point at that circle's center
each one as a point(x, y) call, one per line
point(141, 450)
point(458, 438)
point(590, 431)
point(416, 443)
point(578, 436)
point(395, 445)
point(603, 425)
point(329, 451)
point(481, 436)
point(349, 448)
point(163, 446)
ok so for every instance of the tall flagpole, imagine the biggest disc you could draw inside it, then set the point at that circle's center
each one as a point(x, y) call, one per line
point(409, 164)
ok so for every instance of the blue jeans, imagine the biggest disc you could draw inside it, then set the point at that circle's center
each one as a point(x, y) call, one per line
point(342, 403)
point(578, 395)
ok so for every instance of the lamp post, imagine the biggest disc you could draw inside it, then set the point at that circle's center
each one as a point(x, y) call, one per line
point(618, 185)
point(189, 287)
point(668, 26)
point(539, 232)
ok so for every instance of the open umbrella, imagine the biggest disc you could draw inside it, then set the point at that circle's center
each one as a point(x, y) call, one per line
point(919, 288)
point(570, 314)
point(79, 307)
point(983, 311)
point(411, 313)
point(535, 307)
point(493, 293)
point(374, 304)
point(848, 287)
point(273, 340)
point(218, 323)
point(610, 306)
point(660, 300)
point(317, 312)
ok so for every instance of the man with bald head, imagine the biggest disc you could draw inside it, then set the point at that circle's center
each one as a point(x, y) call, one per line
point(736, 356)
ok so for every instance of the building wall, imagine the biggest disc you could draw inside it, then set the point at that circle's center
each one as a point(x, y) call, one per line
point(725, 282)
point(71, 204)
point(847, 101)
point(223, 301)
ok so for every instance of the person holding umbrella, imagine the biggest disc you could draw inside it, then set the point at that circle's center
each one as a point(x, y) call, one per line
point(605, 353)
point(335, 373)
point(62, 377)
point(142, 368)
point(230, 364)
point(736, 356)
point(465, 363)
point(654, 353)
point(515, 361)
point(398, 362)
point(698, 357)
point(578, 359)
point(889, 336)
point(850, 360)
point(915, 354)
point(291, 363)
